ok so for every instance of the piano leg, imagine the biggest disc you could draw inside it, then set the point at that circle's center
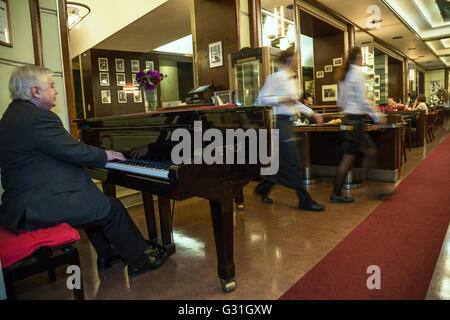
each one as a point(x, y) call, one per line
point(165, 220)
point(222, 218)
point(149, 209)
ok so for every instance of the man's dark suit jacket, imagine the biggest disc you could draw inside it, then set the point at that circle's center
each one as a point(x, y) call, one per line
point(42, 171)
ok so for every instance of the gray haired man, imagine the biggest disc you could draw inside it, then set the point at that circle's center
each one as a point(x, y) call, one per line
point(45, 183)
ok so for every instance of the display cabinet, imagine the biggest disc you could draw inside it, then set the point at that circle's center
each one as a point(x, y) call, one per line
point(248, 70)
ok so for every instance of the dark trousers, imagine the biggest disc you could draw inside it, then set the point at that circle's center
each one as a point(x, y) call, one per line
point(290, 173)
point(118, 229)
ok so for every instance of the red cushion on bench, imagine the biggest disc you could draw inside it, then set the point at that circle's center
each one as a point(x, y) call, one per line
point(15, 247)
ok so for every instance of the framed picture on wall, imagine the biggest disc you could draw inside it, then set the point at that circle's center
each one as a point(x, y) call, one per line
point(106, 96)
point(137, 96)
point(319, 74)
point(135, 66)
point(104, 79)
point(120, 78)
point(376, 94)
point(5, 24)
point(215, 54)
point(122, 96)
point(329, 92)
point(376, 80)
point(337, 62)
point(103, 64)
point(120, 65)
point(149, 65)
point(435, 86)
point(328, 68)
point(133, 79)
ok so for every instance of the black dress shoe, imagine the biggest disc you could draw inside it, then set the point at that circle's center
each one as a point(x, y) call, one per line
point(263, 195)
point(340, 198)
point(147, 263)
point(104, 263)
point(266, 199)
point(312, 207)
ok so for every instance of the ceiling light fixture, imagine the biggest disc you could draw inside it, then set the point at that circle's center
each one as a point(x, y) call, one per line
point(75, 13)
point(411, 48)
point(397, 37)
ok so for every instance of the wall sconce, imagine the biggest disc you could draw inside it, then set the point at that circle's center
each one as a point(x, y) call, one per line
point(75, 13)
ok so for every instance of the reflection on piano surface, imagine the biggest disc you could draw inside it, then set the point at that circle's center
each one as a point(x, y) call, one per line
point(155, 174)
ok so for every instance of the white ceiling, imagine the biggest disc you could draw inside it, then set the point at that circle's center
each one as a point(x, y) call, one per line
point(168, 22)
point(411, 44)
point(107, 17)
point(171, 21)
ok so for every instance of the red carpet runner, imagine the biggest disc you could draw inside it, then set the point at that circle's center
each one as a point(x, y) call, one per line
point(403, 236)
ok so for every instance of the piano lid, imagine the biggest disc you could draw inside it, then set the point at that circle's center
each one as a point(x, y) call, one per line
point(169, 118)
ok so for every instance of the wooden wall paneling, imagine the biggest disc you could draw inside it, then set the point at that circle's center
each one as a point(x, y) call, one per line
point(67, 67)
point(421, 82)
point(326, 48)
point(395, 80)
point(37, 32)
point(254, 8)
point(210, 19)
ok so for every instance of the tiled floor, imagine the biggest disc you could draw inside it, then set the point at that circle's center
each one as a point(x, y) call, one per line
point(275, 245)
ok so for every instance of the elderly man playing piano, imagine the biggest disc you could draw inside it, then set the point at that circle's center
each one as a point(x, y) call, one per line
point(45, 183)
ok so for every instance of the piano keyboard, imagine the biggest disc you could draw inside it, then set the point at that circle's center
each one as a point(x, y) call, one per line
point(143, 167)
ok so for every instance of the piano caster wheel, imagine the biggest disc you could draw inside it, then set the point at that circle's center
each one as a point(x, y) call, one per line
point(240, 206)
point(228, 286)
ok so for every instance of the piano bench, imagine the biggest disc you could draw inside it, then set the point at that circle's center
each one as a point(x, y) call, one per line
point(17, 252)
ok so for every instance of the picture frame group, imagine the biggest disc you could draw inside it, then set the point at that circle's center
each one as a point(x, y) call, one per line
point(120, 68)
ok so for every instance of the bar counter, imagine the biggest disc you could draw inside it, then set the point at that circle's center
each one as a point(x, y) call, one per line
point(320, 148)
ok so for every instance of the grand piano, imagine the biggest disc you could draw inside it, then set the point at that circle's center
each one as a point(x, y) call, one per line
point(156, 174)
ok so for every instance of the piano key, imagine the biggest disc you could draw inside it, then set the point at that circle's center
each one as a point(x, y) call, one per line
point(129, 166)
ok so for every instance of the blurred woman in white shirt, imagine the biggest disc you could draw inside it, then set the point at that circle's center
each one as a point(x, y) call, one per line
point(355, 107)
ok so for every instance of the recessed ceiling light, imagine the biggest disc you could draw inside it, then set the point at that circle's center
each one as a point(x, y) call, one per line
point(397, 37)
point(367, 42)
point(411, 48)
point(421, 56)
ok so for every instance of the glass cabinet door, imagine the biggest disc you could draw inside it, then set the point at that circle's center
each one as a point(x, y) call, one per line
point(247, 82)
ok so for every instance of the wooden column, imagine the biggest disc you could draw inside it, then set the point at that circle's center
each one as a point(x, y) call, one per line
point(210, 19)
point(67, 67)
point(405, 79)
point(254, 8)
point(351, 36)
point(447, 70)
point(447, 87)
point(36, 30)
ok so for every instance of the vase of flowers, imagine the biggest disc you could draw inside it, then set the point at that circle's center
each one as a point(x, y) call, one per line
point(149, 80)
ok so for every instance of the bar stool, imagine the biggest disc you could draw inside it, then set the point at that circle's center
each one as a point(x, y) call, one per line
point(351, 183)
